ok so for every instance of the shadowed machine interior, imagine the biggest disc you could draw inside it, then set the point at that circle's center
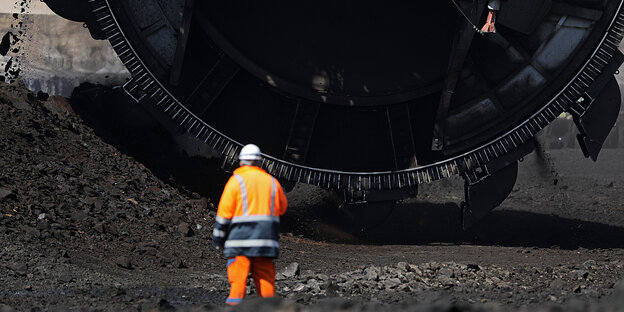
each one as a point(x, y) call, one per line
point(371, 98)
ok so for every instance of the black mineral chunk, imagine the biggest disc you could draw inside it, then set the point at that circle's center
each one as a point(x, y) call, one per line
point(124, 262)
point(42, 96)
point(15, 72)
point(164, 305)
point(5, 44)
point(8, 65)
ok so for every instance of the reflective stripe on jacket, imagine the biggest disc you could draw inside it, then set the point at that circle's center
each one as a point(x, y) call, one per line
point(247, 222)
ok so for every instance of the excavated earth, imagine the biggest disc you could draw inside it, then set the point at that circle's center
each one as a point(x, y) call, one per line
point(85, 226)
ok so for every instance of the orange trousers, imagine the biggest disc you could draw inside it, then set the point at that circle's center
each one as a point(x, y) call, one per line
point(262, 271)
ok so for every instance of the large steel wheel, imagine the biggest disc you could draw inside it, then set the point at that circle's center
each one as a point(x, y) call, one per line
point(354, 95)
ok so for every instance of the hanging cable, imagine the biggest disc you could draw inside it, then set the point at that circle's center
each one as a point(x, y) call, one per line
point(476, 29)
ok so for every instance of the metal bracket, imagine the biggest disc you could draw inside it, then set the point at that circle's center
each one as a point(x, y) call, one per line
point(488, 186)
point(368, 196)
point(596, 122)
point(597, 110)
point(132, 89)
point(136, 93)
point(583, 103)
point(481, 173)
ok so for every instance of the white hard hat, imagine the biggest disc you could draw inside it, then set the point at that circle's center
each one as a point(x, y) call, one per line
point(250, 152)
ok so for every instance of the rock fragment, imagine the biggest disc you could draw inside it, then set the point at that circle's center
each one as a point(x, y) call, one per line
point(5, 44)
point(6, 308)
point(314, 285)
point(19, 268)
point(43, 226)
point(372, 274)
point(300, 287)
point(124, 262)
point(589, 264)
point(447, 272)
point(115, 292)
point(291, 270)
point(78, 216)
point(185, 229)
point(65, 278)
point(100, 227)
point(619, 287)
point(4, 193)
point(42, 96)
point(164, 305)
point(391, 283)
point(579, 274)
point(179, 264)
point(403, 266)
point(557, 284)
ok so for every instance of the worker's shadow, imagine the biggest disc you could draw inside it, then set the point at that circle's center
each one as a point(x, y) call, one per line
point(428, 223)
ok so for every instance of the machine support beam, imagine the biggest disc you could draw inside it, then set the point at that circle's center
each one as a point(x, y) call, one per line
point(461, 47)
point(576, 11)
point(488, 186)
point(151, 29)
point(301, 131)
point(183, 33)
point(401, 135)
point(211, 86)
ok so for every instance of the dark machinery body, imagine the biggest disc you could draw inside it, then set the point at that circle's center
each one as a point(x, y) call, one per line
point(370, 97)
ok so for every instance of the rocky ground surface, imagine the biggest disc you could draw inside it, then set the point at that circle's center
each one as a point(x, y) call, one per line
point(85, 226)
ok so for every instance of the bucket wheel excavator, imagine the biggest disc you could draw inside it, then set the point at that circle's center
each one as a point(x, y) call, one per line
point(371, 98)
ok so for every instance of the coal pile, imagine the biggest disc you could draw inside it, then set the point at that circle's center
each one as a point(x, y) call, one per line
point(63, 192)
point(60, 180)
point(131, 128)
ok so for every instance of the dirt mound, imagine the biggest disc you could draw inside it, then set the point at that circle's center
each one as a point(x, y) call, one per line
point(63, 192)
point(61, 180)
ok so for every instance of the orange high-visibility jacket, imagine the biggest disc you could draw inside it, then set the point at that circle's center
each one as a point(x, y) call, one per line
point(247, 222)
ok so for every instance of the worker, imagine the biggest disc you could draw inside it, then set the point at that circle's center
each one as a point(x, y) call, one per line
point(490, 24)
point(247, 226)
